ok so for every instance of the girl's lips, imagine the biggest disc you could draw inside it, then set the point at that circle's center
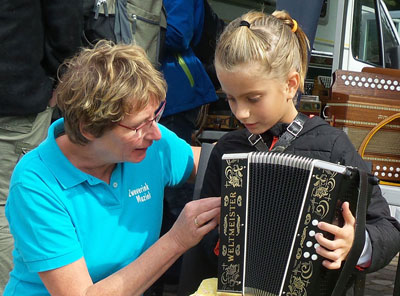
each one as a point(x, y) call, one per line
point(250, 125)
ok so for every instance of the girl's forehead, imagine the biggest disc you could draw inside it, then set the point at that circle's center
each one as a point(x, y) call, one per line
point(248, 68)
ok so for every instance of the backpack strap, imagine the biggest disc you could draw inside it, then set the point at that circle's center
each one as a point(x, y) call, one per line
point(257, 141)
point(291, 133)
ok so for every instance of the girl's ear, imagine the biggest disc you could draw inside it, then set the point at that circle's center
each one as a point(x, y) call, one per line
point(293, 83)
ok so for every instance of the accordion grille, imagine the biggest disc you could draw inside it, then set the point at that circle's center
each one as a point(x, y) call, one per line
point(274, 188)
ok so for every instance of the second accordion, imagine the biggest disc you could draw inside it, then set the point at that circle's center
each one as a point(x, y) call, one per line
point(271, 206)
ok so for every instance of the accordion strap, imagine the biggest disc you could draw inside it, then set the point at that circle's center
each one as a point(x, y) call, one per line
point(359, 235)
point(291, 133)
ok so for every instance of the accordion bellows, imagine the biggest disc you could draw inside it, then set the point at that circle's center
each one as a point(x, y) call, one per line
point(271, 206)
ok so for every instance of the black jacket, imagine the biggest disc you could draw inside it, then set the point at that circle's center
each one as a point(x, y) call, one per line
point(321, 141)
point(35, 38)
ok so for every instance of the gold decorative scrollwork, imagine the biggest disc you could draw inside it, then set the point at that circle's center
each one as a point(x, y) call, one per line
point(239, 201)
point(225, 224)
point(234, 175)
point(299, 279)
point(322, 208)
point(226, 200)
point(237, 225)
point(303, 236)
point(299, 253)
point(237, 250)
point(306, 270)
point(224, 250)
point(307, 220)
point(230, 275)
point(325, 184)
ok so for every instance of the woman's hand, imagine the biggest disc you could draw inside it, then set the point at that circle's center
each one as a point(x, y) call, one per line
point(197, 218)
point(336, 250)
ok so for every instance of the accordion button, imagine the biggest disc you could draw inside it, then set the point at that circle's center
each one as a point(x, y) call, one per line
point(314, 257)
point(316, 246)
point(306, 255)
point(309, 244)
point(312, 233)
point(314, 222)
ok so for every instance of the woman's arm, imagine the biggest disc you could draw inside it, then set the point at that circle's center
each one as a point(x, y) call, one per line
point(135, 278)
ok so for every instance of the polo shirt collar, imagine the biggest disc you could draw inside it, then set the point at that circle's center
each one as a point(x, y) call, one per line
point(63, 170)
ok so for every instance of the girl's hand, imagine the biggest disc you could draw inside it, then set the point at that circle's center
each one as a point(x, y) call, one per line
point(336, 250)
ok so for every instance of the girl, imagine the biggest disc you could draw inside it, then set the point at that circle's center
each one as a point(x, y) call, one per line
point(261, 63)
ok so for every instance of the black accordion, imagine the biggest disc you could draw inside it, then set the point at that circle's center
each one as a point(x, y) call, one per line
point(271, 206)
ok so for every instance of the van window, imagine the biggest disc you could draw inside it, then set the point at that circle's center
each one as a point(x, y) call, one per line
point(366, 41)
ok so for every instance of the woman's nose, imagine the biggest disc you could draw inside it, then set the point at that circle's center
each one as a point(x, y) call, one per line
point(154, 132)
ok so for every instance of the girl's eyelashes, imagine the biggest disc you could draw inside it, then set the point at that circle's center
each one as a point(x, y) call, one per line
point(253, 100)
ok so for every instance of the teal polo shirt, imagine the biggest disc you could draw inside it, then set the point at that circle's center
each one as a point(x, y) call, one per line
point(59, 214)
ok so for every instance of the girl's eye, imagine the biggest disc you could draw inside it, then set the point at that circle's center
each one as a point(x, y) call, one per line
point(253, 100)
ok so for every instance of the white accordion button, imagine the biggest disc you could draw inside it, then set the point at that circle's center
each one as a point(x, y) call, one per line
point(314, 222)
point(309, 244)
point(312, 233)
point(306, 255)
point(314, 257)
point(316, 246)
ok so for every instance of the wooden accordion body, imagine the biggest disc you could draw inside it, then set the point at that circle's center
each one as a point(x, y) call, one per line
point(271, 205)
point(358, 102)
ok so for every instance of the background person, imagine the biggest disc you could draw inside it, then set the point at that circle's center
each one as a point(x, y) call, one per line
point(85, 206)
point(36, 36)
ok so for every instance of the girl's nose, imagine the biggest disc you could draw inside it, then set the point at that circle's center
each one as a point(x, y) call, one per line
point(241, 112)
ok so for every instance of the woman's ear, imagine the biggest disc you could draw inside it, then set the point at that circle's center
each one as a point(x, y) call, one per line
point(293, 83)
point(85, 133)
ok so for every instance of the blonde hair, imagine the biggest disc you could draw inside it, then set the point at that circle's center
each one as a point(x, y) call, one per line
point(104, 84)
point(268, 41)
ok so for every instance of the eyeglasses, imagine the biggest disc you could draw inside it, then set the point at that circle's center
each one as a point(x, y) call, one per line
point(158, 113)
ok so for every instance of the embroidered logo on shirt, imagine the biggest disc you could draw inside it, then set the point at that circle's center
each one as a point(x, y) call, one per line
point(141, 194)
